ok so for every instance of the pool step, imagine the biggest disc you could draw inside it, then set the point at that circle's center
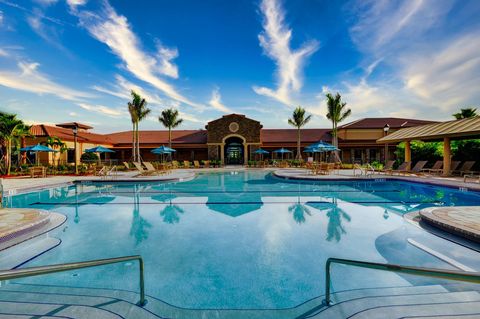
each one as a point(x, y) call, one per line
point(20, 253)
point(414, 305)
point(54, 301)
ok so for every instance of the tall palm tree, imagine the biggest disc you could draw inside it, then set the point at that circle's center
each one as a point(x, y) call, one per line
point(11, 128)
point(299, 120)
point(133, 117)
point(170, 119)
point(465, 113)
point(337, 112)
point(138, 112)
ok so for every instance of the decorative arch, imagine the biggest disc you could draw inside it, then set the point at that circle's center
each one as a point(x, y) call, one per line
point(234, 135)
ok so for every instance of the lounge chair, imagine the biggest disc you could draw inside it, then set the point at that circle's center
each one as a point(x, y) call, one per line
point(436, 168)
point(127, 166)
point(141, 170)
point(186, 164)
point(206, 164)
point(151, 168)
point(174, 164)
point(454, 165)
point(471, 176)
point(416, 170)
point(402, 168)
point(465, 169)
point(387, 168)
point(196, 164)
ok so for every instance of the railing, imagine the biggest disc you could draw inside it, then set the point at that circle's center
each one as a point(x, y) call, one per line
point(419, 271)
point(44, 270)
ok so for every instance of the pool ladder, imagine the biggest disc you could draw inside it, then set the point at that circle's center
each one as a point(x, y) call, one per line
point(50, 269)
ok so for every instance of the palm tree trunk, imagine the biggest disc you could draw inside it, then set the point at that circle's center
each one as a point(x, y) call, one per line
point(299, 155)
point(8, 157)
point(133, 143)
point(138, 145)
point(170, 142)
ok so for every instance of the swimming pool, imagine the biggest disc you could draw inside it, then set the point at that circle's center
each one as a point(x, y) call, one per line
point(243, 240)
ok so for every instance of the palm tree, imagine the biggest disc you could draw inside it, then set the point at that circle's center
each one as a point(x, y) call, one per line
point(138, 112)
point(57, 144)
point(337, 112)
point(133, 117)
point(11, 128)
point(465, 113)
point(299, 120)
point(170, 119)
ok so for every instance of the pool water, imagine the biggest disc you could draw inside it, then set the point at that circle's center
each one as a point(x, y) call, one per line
point(243, 240)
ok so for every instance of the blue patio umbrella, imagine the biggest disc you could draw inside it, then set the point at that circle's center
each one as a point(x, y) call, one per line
point(261, 152)
point(99, 149)
point(323, 146)
point(282, 151)
point(163, 150)
point(37, 148)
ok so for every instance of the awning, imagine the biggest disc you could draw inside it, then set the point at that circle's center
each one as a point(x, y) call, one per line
point(465, 128)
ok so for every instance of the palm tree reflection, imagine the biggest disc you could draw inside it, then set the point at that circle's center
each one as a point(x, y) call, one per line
point(299, 211)
point(335, 229)
point(140, 226)
point(171, 213)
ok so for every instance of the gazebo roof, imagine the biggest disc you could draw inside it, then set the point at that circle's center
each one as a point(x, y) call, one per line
point(457, 129)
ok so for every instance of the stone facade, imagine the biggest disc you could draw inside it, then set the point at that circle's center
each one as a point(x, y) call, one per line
point(247, 128)
point(213, 152)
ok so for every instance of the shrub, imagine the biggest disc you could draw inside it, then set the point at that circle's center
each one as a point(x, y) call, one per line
point(88, 157)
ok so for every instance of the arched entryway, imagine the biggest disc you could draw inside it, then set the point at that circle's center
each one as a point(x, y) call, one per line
point(234, 152)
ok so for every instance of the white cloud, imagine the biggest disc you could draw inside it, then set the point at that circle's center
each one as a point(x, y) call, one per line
point(3, 53)
point(28, 78)
point(275, 41)
point(46, 2)
point(216, 102)
point(1, 17)
point(165, 56)
point(115, 31)
point(448, 76)
point(123, 87)
point(105, 110)
point(74, 3)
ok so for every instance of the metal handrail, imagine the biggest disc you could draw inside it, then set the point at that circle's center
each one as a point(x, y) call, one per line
point(44, 270)
point(419, 271)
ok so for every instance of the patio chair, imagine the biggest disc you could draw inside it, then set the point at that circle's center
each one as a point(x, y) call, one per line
point(401, 168)
point(186, 164)
point(416, 170)
point(471, 176)
point(436, 168)
point(196, 164)
point(174, 164)
point(206, 164)
point(454, 165)
point(151, 168)
point(141, 170)
point(465, 169)
point(388, 167)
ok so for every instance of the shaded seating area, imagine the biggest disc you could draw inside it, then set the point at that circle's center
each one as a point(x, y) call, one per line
point(468, 128)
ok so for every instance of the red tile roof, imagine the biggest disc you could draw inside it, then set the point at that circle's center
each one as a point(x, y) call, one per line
point(67, 134)
point(161, 137)
point(379, 122)
point(71, 125)
point(290, 135)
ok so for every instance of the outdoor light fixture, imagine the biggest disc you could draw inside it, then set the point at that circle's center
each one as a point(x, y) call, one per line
point(386, 128)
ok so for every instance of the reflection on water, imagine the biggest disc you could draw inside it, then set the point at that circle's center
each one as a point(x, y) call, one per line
point(299, 211)
point(140, 226)
point(335, 229)
point(171, 214)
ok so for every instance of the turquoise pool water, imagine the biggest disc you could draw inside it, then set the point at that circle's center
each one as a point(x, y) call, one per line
point(243, 239)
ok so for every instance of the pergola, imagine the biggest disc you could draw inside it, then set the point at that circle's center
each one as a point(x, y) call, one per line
point(443, 131)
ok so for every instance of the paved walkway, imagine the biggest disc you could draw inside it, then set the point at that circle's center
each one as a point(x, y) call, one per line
point(461, 220)
point(295, 173)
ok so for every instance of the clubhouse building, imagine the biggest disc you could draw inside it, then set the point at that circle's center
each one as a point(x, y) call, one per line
point(232, 139)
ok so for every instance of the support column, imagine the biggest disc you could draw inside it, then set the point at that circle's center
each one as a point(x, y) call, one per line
point(222, 153)
point(408, 155)
point(447, 153)
point(245, 154)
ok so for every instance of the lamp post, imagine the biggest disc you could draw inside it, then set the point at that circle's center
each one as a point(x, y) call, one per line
point(75, 131)
point(386, 128)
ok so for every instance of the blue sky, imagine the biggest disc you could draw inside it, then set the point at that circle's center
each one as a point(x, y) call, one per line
point(77, 60)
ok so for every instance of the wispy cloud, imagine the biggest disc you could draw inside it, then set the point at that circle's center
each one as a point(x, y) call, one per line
point(123, 87)
point(216, 102)
point(105, 110)
point(73, 4)
point(29, 78)
point(114, 30)
point(3, 53)
point(275, 41)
